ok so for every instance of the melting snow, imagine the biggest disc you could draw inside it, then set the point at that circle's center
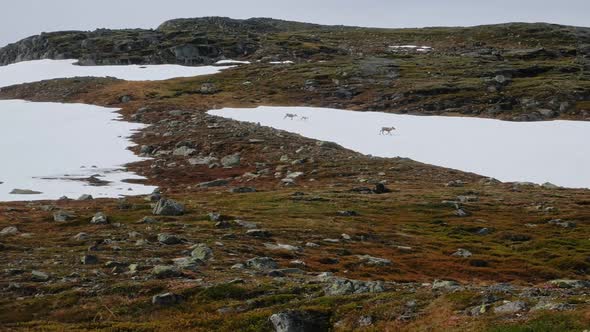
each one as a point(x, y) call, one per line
point(553, 151)
point(49, 147)
point(33, 71)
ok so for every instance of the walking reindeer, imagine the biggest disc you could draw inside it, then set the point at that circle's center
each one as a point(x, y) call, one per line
point(387, 130)
point(290, 116)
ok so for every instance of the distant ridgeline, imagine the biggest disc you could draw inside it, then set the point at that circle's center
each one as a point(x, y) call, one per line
point(183, 41)
point(515, 71)
point(199, 41)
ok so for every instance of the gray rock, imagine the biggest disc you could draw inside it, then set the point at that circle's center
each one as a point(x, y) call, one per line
point(246, 224)
point(259, 233)
point(166, 271)
point(99, 219)
point(183, 151)
point(261, 263)
point(300, 321)
point(214, 183)
point(511, 307)
point(462, 253)
point(570, 284)
point(374, 261)
point(445, 284)
point(168, 207)
point(169, 239)
point(202, 252)
point(188, 263)
point(63, 216)
point(280, 246)
point(202, 161)
point(39, 276)
point(9, 231)
point(339, 286)
point(85, 197)
point(80, 236)
point(89, 260)
point(166, 299)
point(231, 160)
point(562, 223)
point(148, 220)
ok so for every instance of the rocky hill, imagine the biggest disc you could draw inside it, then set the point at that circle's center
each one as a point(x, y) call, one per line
point(517, 71)
point(256, 229)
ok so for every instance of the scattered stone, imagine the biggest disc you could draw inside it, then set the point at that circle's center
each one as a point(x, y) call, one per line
point(231, 160)
point(183, 151)
point(89, 260)
point(39, 276)
point(148, 220)
point(562, 223)
point(168, 207)
point(99, 219)
point(85, 197)
point(166, 299)
point(169, 239)
point(300, 321)
point(374, 261)
point(9, 231)
point(259, 233)
point(202, 252)
point(445, 284)
point(80, 236)
point(455, 184)
point(339, 286)
point(569, 283)
point(166, 271)
point(464, 253)
point(511, 307)
point(188, 263)
point(348, 213)
point(261, 263)
point(245, 224)
point(214, 183)
point(279, 246)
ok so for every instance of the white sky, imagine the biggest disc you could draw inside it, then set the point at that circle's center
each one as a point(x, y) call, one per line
point(22, 18)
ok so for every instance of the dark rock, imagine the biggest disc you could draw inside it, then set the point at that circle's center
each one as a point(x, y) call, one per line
point(300, 321)
point(168, 207)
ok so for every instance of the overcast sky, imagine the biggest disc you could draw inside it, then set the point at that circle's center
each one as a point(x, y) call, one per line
point(22, 18)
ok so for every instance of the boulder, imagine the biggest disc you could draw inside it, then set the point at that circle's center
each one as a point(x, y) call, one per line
point(300, 321)
point(464, 253)
point(202, 252)
point(85, 197)
point(231, 160)
point(99, 219)
point(259, 233)
point(166, 271)
point(9, 231)
point(168, 207)
point(261, 263)
point(374, 261)
point(511, 307)
point(89, 260)
point(340, 286)
point(169, 239)
point(166, 299)
point(63, 216)
point(39, 276)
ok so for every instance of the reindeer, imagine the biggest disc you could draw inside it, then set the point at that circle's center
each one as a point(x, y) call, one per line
point(304, 118)
point(387, 130)
point(290, 116)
